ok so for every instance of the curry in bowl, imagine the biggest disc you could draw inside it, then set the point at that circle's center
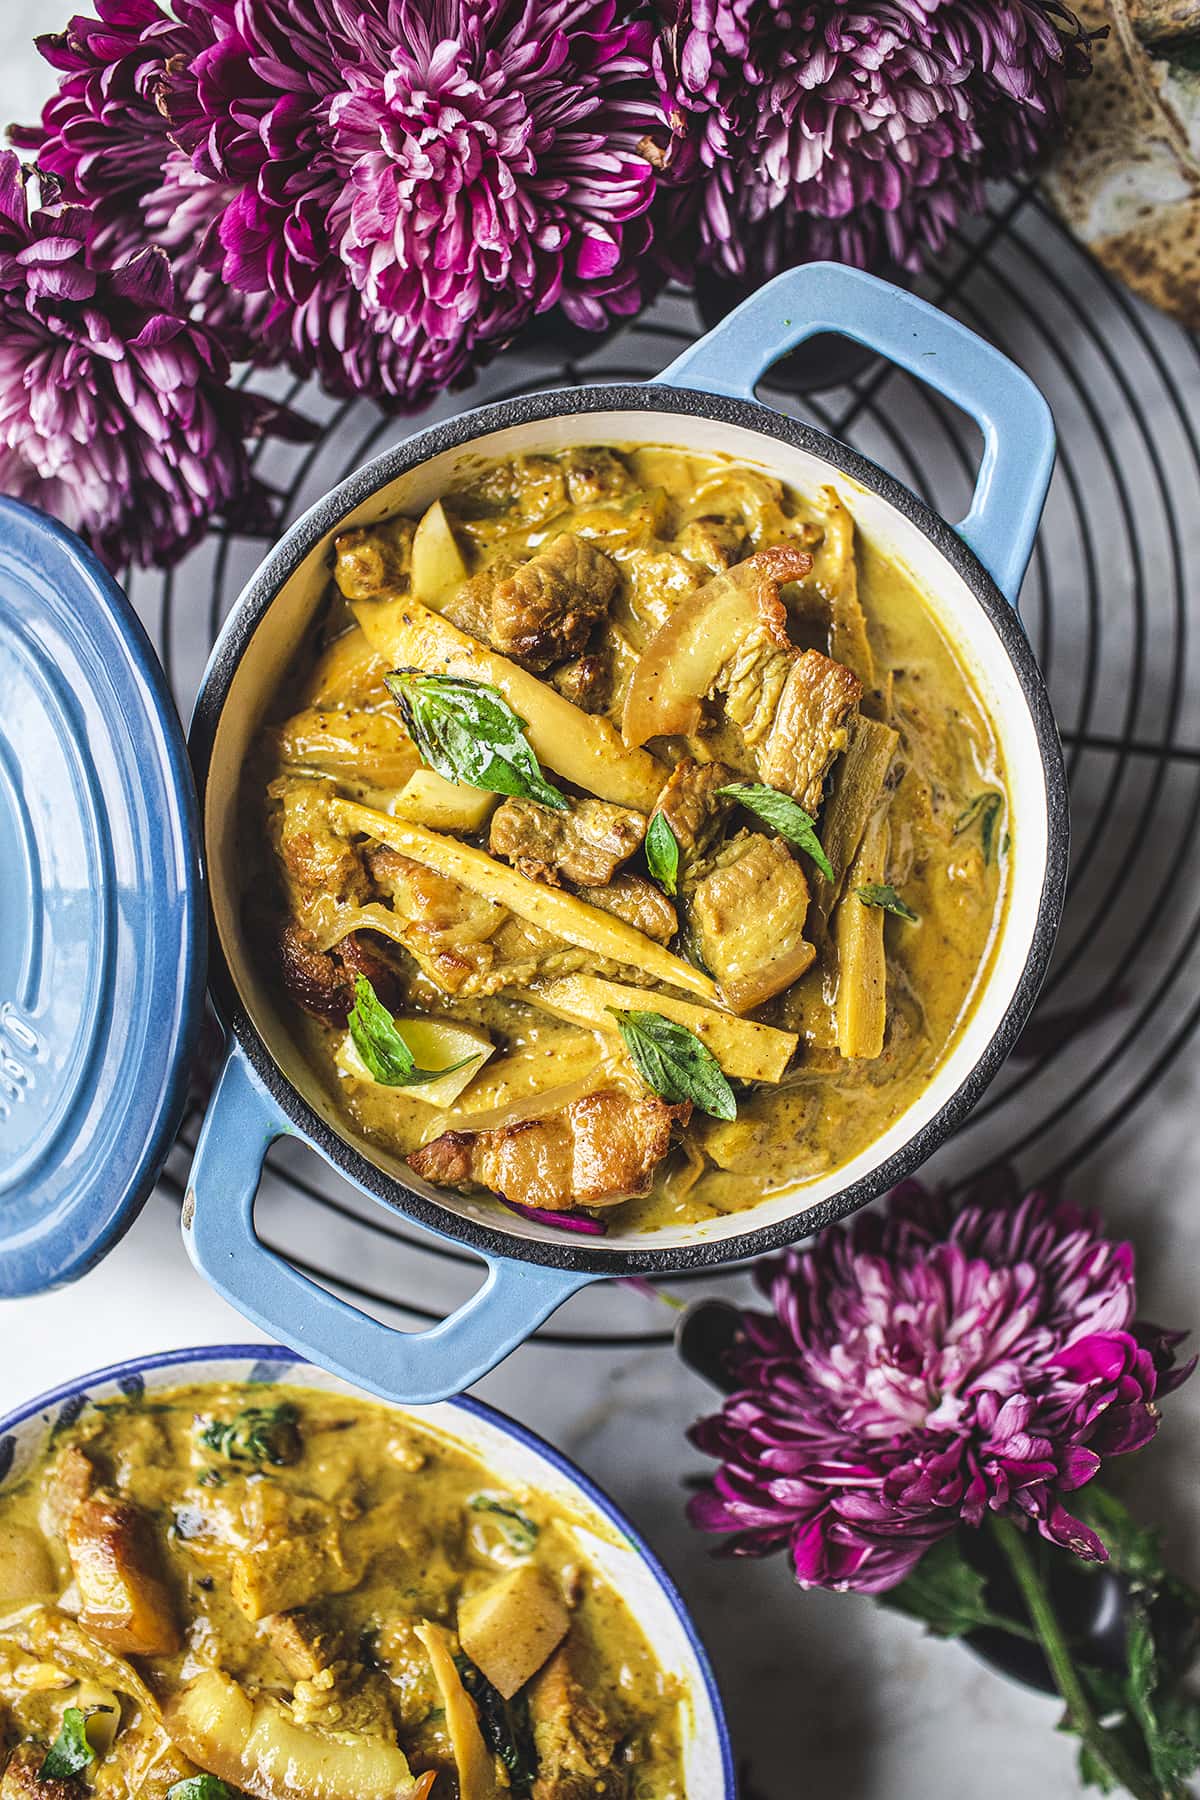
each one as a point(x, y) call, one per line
point(232, 1589)
point(627, 837)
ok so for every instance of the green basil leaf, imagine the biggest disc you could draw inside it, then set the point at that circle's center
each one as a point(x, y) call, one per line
point(985, 807)
point(881, 894)
point(204, 1787)
point(257, 1434)
point(70, 1752)
point(381, 1047)
point(673, 1061)
point(662, 854)
point(783, 814)
point(468, 732)
point(520, 1531)
point(947, 1595)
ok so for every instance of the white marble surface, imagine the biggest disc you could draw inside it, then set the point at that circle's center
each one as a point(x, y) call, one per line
point(829, 1699)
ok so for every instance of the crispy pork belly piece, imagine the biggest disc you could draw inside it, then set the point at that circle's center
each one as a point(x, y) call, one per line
point(586, 844)
point(598, 1151)
point(638, 902)
point(322, 981)
point(114, 1558)
point(748, 910)
point(545, 610)
point(692, 805)
point(20, 1780)
point(586, 681)
point(574, 1739)
point(809, 727)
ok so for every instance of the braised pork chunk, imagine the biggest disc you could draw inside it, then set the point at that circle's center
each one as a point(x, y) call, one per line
point(629, 757)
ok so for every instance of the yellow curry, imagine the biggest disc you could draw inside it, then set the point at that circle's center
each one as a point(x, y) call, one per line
point(627, 838)
point(228, 1590)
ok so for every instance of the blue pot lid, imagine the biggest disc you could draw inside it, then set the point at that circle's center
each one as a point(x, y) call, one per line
point(102, 923)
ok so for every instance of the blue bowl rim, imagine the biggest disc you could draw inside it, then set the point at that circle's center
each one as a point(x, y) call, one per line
point(479, 1409)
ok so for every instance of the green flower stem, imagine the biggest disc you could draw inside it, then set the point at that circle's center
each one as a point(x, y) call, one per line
point(1108, 1751)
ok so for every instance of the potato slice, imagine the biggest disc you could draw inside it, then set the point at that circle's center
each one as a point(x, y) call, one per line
point(26, 1568)
point(436, 1044)
point(582, 747)
point(427, 798)
point(509, 1628)
point(473, 1760)
point(257, 1746)
point(553, 909)
point(744, 1049)
point(438, 566)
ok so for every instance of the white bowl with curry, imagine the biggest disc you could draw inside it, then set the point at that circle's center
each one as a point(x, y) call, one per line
point(635, 829)
point(226, 1575)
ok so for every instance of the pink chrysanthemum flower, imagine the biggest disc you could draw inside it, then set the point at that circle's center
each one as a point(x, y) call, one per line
point(922, 1368)
point(817, 128)
point(116, 412)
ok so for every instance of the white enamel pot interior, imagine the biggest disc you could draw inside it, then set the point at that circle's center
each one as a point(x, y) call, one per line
point(982, 627)
point(515, 1456)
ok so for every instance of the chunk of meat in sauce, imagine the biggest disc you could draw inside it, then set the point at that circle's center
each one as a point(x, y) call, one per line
point(586, 681)
point(322, 981)
point(756, 668)
point(748, 911)
point(373, 558)
point(594, 475)
point(21, 1780)
point(809, 727)
point(545, 610)
point(638, 902)
point(715, 544)
point(574, 1739)
point(692, 804)
point(320, 863)
point(586, 844)
point(597, 1151)
point(114, 1559)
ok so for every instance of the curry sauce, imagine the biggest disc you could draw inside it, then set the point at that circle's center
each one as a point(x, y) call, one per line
point(308, 1597)
point(657, 814)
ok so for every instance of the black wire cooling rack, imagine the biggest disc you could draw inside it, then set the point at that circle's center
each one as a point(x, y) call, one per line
point(1106, 605)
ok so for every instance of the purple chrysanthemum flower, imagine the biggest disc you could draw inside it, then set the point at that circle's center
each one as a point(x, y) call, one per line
point(413, 179)
point(116, 412)
point(105, 139)
point(810, 128)
point(922, 1368)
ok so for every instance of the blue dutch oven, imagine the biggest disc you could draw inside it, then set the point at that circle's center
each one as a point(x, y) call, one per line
point(705, 403)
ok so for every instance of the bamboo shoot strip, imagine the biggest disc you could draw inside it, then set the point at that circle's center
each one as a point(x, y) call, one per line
point(583, 748)
point(857, 784)
point(746, 1050)
point(861, 1006)
point(553, 909)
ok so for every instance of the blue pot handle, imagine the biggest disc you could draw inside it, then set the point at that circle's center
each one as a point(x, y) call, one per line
point(415, 1368)
point(1017, 426)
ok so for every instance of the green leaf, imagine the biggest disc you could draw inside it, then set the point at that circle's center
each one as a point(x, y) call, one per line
point(1134, 1550)
point(505, 1725)
point(70, 1752)
point(381, 1047)
point(881, 894)
point(520, 1531)
point(1173, 1753)
point(1179, 1728)
point(204, 1787)
point(468, 732)
point(673, 1061)
point(947, 1595)
point(257, 1434)
point(782, 813)
point(662, 854)
point(985, 807)
point(1093, 1773)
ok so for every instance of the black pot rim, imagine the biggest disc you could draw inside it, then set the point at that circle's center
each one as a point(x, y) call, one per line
point(540, 408)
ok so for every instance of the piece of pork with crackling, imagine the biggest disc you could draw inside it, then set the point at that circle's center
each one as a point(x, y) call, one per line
point(597, 1151)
